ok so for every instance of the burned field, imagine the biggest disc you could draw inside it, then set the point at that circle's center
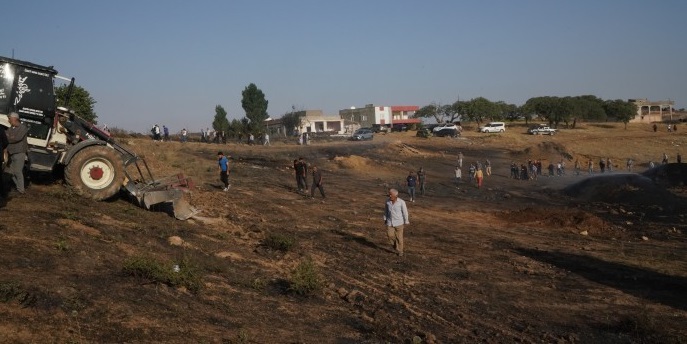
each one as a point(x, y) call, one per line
point(516, 261)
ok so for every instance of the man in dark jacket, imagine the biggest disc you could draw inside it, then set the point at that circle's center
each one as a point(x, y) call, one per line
point(3, 152)
point(17, 149)
point(316, 182)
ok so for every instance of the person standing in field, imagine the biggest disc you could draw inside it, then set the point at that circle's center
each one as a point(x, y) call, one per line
point(395, 219)
point(679, 158)
point(590, 166)
point(578, 167)
point(630, 162)
point(460, 159)
point(17, 149)
point(411, 180)
point(223, 163)
point(302, 174)
point(487, 165)
point(479, 176)
point(422, 178)
point(3, 152)
point(459, 174)
point(316, 182)
point(665, 159)
point(184, 135)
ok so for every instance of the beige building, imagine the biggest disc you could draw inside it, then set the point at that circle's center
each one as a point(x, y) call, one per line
point(648, 111)
point(311, 121)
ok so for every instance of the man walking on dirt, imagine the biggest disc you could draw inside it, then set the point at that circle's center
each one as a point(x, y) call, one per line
point(421, 178)
point(479, 176)
point(460, 159)
point(301, 174)
point(223, 170)
point(316, 182)
point(165, 131)
point(395, 218)
point(16, 149)
point(412, 182)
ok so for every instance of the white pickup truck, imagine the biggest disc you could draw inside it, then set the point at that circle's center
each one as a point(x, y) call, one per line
point(542, 129)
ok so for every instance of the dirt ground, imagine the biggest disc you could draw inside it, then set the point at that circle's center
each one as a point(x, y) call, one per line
point(515, 261)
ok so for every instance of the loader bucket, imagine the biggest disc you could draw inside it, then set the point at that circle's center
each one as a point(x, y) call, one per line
point(163, 194)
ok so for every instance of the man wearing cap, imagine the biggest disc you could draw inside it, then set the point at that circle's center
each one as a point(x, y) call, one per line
point(16, 149)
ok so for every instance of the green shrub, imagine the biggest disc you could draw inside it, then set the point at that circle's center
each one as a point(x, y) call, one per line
point(9, 290)
point(305, 279)
point(280, 242)
point(147, 268)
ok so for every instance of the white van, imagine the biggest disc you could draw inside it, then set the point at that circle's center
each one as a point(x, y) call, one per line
point(493, 127)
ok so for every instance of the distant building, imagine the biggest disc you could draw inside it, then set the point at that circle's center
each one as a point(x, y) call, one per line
point(311, 121)
point(382, 115)
point(648, 111)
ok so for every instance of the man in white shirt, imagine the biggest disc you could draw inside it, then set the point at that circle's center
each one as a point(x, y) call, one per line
point(395, 217)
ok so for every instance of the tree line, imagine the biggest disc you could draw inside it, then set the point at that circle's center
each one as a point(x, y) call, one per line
point(554, 110)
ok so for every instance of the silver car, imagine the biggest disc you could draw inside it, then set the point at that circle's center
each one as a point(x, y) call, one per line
point(363, 134)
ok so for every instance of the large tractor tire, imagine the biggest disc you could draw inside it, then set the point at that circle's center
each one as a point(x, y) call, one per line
point(95, 172)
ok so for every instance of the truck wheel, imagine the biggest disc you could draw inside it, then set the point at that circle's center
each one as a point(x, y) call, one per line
point(95, 172)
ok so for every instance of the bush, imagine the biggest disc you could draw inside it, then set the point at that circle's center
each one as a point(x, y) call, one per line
point(305, 279)
point(280, 242)
point(148, 268)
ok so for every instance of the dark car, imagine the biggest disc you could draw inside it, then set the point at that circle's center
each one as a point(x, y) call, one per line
point(399, 127)
point(446, 132)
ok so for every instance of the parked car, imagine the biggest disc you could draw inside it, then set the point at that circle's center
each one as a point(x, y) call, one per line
point(424, 132)
point(542, 129)
point(447, 132)
point(363, 134)
point(380, 128)
point(445, 126)
point(399, 127)
point(493, 127)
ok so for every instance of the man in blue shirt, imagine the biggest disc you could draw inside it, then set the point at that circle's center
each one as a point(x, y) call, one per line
point(395, 217)
point(223, 170)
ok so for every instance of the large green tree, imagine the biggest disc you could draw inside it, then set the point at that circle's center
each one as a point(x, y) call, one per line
point(620, 110)
point(220, 123)
point(480, 108)
point(440, 113)
point(291, 120)
point(80, 102)
point(255, 105)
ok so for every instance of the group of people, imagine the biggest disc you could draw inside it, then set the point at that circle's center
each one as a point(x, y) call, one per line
point(476, 171)
point(162, 134)
point(671, 127)
point(13, 154)
point(300, 168)
point(158, 133)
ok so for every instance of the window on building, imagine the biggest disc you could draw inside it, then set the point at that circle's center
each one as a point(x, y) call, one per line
point(364, 118)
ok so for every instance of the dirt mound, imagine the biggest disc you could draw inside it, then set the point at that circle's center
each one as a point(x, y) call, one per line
point(628, 189)
point(397, 148)
point(556, 218)
point(353, 162)
point(546, 150)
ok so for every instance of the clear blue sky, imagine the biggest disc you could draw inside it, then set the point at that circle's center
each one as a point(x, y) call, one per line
point(171, 62)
